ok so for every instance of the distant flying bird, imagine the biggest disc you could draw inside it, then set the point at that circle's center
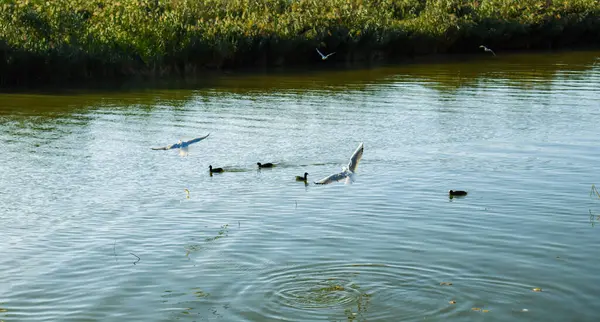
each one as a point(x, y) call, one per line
point(182, 145)
point(347, 172)
point(323, 57)
point(487, 49)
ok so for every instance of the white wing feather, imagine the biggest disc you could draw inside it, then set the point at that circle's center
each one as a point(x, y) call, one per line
point(347, 173)
point(355, 158)
point(334, 177)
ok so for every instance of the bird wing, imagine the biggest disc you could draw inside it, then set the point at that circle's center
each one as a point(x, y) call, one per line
point(355, 158)
point(320, 53)
point(334, 178)
point(168, 147)
point(195, 140)
point(493, 52)
point(330, 54)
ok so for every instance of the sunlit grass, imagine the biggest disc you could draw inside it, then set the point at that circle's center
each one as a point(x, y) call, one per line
point(93, 38)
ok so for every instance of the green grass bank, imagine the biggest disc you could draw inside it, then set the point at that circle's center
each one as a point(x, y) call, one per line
point(71, 40)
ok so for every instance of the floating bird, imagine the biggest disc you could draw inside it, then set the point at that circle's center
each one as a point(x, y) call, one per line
point(299, 178)
point(182, 145)
point(215, 170)
point(347, 172)
point(324, 57)
point(266, 165)
point(487, 49)
point(457, 193)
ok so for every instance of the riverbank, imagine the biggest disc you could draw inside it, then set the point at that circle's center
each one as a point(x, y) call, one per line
point(60, 41)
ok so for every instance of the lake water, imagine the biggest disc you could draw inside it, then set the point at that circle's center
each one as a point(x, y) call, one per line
point(96, 226)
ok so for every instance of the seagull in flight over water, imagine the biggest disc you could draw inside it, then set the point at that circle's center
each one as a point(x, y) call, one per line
point(347, 172)
point(323, 57)
point(182, 145)
point(487, 49)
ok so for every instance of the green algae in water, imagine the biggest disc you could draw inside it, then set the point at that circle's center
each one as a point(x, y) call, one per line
point(594, 191)
point(222, 233)
point(199, 293)
point(362, 305)
point(327, 293)
point(170, 294)
point(197, 247)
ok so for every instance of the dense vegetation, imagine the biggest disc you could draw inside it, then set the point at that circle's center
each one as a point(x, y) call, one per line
point(43, 40)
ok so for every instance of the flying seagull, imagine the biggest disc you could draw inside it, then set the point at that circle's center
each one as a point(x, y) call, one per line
point(323, 57)
point(183, 145)
point(487, 49)
point(347, 172)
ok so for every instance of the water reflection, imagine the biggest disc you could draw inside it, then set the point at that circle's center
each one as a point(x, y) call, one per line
point(79, 175)
point(525, 71)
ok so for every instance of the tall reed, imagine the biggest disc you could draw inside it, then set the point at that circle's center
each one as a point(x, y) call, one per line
point(42, 40)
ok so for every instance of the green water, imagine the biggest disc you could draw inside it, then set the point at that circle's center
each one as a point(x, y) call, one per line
point(96, 226)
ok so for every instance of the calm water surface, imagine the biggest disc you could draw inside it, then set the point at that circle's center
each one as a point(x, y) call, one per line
point(83, 196)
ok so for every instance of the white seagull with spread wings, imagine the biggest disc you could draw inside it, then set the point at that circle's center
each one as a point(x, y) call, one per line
point(323, 57)
point(487, 49)
point(347, 172)
point(182, 145)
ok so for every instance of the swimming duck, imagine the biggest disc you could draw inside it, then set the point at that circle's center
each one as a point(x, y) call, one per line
point(457, 193)
point(216, 170)
point(299, 178)
point(266, 165)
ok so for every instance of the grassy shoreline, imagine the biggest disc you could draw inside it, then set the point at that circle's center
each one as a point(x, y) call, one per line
point(64, 41)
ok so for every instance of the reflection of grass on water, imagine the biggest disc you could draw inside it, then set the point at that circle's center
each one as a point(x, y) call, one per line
point(362, 304)
point(222, 233)
point(188, 306)
point(594, 218)
point(196, 247)
point(594, 191)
